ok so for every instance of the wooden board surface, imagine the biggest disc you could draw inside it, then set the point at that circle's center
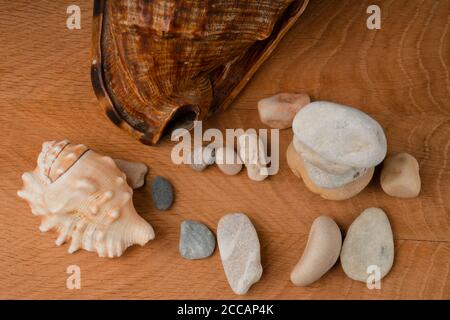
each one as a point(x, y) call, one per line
point(399, 75)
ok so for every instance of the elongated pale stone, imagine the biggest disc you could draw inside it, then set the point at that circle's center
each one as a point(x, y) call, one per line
point(295, 162)
point(368, 248)
point(252, 153)
point(316, 160)
point(400, 176)
point(240, 251)
point(134, 171)
point(278, 111)
point(341, 134)
point(321, 252)
point(323, 179)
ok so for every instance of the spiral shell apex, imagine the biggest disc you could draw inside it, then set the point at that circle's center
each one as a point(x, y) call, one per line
point(85, 197)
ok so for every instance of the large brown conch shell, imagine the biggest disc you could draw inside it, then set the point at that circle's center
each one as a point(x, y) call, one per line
point(160, 65)
point(85, 197)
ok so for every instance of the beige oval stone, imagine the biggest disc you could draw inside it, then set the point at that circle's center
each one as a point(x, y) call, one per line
point(321, 252)
point(400, 176)
point(279, 110)
point(368, 246)
point(295, 162)
point(228, 161)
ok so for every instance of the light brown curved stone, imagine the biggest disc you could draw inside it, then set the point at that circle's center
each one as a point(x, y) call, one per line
point(320, 254)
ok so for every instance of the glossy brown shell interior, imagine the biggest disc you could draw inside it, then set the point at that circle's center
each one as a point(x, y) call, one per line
point(160, 65)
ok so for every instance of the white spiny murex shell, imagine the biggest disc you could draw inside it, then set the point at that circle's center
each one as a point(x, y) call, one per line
point(85, 197)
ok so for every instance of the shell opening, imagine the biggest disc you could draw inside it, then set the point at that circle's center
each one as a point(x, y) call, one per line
point(183, 117)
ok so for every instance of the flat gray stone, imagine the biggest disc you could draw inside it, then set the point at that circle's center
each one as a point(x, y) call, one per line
point(240, 251)
point(369, 242)
point(162, 193)
point(196, 240)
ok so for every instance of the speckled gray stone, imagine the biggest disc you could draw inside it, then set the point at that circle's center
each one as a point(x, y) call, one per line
point(369, 242)
point(196, 240)
point(162, 193)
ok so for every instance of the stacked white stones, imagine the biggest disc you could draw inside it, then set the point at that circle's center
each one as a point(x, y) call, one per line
point(335, 149)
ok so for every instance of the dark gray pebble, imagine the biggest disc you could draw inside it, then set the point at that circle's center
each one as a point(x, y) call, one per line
point(162, 193)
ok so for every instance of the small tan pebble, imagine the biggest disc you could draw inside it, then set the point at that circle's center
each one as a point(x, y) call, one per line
point(228, 161)
point(257, 172)
point(321, 252)
point(279, 110)
point(400, 176)
point(134, 171)
point(295, 162)
point(253, 153)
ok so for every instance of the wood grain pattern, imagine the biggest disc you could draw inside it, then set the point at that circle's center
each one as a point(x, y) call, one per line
point(399, 75)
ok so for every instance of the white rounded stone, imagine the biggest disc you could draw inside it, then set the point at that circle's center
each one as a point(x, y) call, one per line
point(341, 134)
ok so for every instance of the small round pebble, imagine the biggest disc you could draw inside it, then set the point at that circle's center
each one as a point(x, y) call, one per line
point(202, 157)
point(278, 111)
point(228, 161)
point(341, 134)
point(400, 176)
point(196, 240)
point(162, 193)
